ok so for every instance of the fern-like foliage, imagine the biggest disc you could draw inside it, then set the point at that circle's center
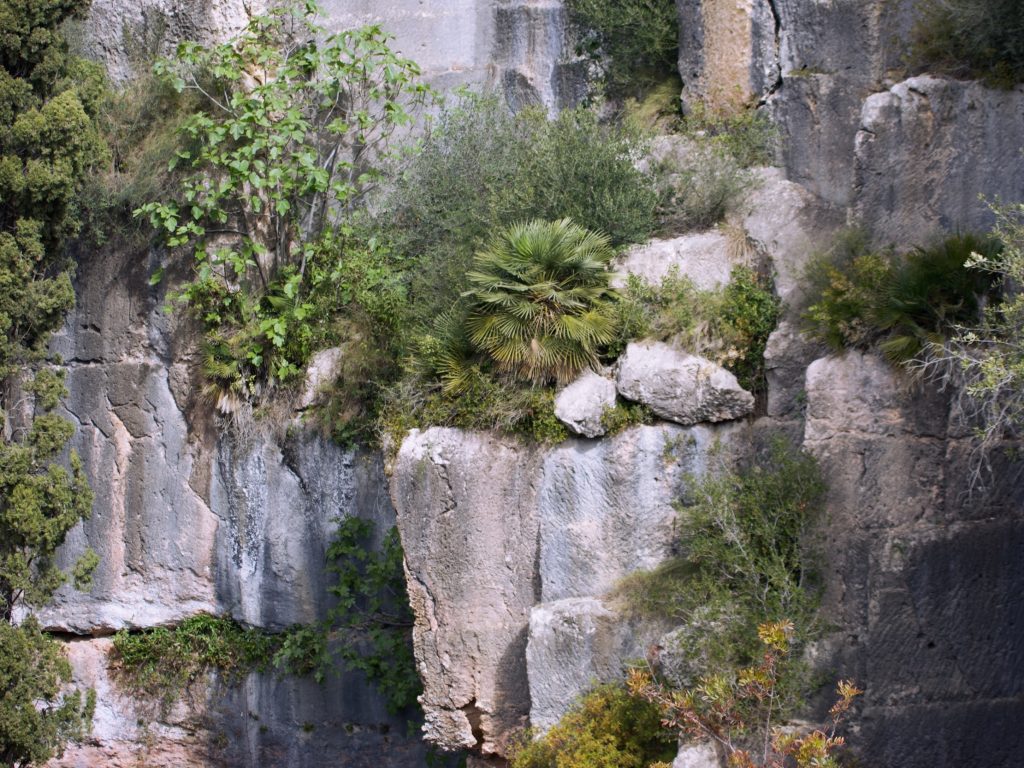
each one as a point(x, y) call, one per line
point(541, 305)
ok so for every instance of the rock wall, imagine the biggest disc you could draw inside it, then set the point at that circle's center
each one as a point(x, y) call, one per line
point(924, 577)
point(511, 553)
point(523, 48)
point(190, 517)
point(906, 158)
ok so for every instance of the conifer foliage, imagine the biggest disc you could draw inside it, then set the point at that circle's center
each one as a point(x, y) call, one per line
point(48, 143)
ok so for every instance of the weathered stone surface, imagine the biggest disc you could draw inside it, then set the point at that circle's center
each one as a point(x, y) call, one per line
point(789, 225)
point(927, 149)
point(606, 508)
point(492, 528)
point(706, 258)
point(519, 48)
point(728, 51)
point(682, 388)
point(915, 567)
point(701, 755)
point(262, 720)
point(786, 357)
point(574, 644)
point(321, 372)
point(125, 35)
point(581, 405)
point(467, 513)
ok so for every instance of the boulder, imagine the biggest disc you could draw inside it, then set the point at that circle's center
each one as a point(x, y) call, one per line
point(701, 755)
point(705, 258)
point(321, 372)
point(581, 405)
point(680, 387)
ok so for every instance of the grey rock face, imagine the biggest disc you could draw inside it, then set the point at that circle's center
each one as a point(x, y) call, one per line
point(606, 508)
point(789, 225)
point(187, 519)
point(498, 535)
point(468, 518)
point(705, 258)
point(701, 755)
point(923, 578)
point(125, 35)
point(581, 405)
point(683, 388)
point(573, 644)
point(519, 48)
point(927, 148)
point(728, 52)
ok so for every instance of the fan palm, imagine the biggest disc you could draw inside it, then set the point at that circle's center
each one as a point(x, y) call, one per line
point(541, 304)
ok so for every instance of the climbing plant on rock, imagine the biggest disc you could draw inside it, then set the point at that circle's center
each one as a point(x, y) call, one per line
point(294, 128)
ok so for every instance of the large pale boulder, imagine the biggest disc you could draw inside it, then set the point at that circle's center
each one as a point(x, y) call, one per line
point(702, 755)
point(705, 258)
point(680, 387)
point(582, 404)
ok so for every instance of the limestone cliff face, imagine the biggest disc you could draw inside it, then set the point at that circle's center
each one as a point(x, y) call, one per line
point(511, 550)
point(522, 48)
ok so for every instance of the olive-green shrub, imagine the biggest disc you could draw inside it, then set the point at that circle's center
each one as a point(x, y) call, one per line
point(971, 38)
point(606, 728)
point(862, 297)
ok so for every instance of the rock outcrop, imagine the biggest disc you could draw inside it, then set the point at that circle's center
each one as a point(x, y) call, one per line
point(582, 404)
point(927, 149)
point(923, 578)
point(680, 387)
point(521, 49)
point(704, 258)
point(511, 552)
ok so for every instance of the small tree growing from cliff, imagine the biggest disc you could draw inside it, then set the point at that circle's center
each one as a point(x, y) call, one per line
point(294, 128)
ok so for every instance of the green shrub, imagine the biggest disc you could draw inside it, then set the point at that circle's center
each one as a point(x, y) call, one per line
point(744, 560)
point(698, 189)
point(483, 169)
point(624, 415)
point(903, 304)
point(607, 728)
point(971, 38)
point(639, 39)
point(540, 304)
point(484, 404)
point(38, 715)
point(367, 629)
point(748, 136)
point(276, 167)
point(163, 662)
point(730, 326)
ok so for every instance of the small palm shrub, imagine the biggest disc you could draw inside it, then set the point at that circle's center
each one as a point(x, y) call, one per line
point(540, 305)
point(902, 304)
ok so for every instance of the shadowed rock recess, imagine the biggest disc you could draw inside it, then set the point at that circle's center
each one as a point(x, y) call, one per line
point(511, 548)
